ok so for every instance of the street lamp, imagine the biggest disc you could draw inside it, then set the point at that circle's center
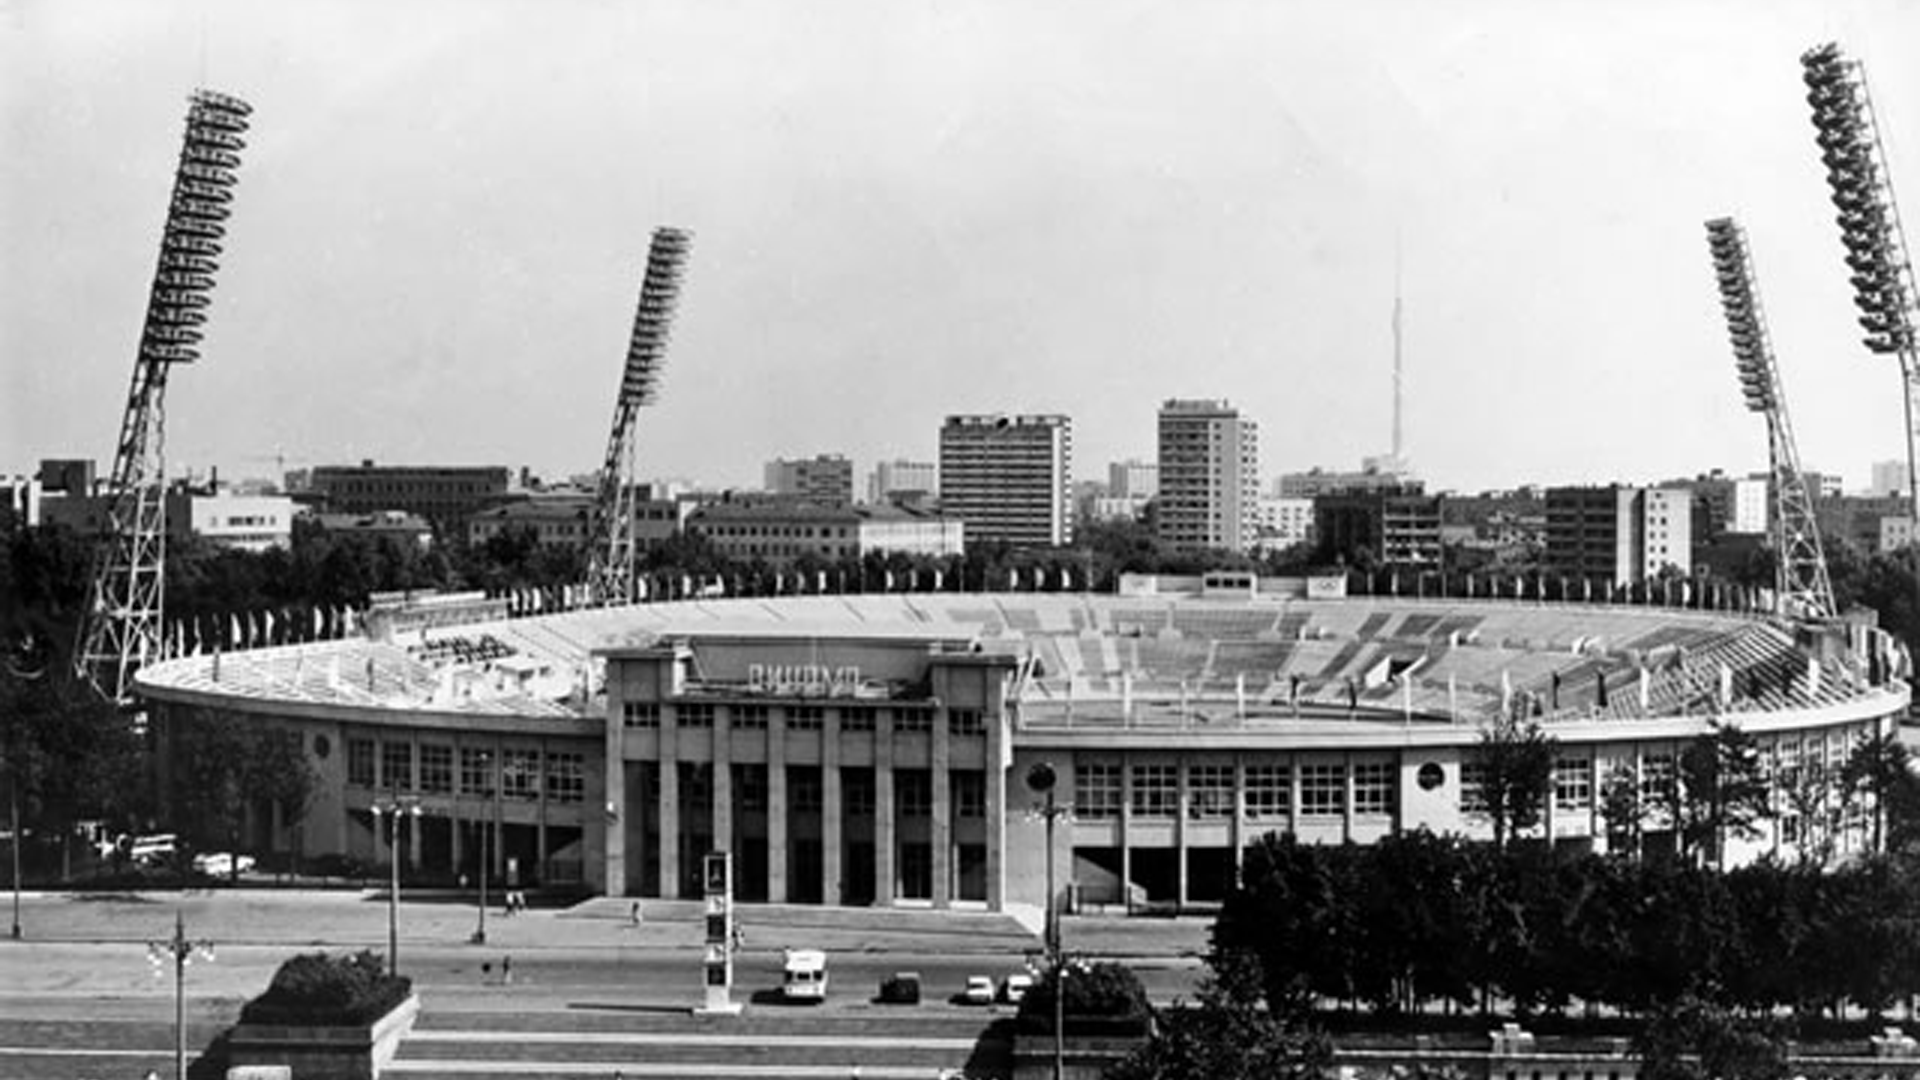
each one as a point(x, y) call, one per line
point(394, 807)
point(21, 667)
point(182, 951)
point(1041, 780)
point(489, 813)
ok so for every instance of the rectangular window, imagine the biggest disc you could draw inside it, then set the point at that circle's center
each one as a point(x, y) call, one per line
point(804, 792)
point(913, 793)
point(520, 774)
point(566, 778)
point(1269, 792)
point(750, 788)
point(856, 792)
point(856, 718)
point(1573, 784)
point(1209, 792)
point(640, 714)
point(436, 769)
point(1323, 790)
point(396, 766)
point(969, 788)
point(1656, 780)
point(749, 717)
point(694, 716)
point(360, 762)
point(965, 722)
point(1096, 791)
point(913, 719)
point(476, 772)
point(805, 717)
point(1473, 787)
point(1156, 790)
point(1375, 788)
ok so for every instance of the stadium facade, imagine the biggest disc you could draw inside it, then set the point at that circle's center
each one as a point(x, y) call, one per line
point(870, 749)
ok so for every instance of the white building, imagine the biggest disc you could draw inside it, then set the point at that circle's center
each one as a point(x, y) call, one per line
point(1889, 478)
point(903, 476)
point(824, 479)
point(1133, 479)
point(1009, 478)
point(1209, 476)
point(1285, 522)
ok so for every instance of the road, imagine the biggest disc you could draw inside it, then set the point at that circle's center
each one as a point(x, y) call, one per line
point(591, 994)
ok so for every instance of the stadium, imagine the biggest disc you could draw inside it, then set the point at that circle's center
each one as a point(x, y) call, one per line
point(872, 749)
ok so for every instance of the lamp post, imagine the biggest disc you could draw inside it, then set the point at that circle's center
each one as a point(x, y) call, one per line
point(394, 807)
point(182, 951)
point(1041, 780)
point(488, 812)
point(22, 667)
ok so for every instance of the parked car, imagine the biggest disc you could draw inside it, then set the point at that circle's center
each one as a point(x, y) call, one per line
point(979, 990)
point(900, 988)
point(1015, 987)
point(222, 863)
point(152, 850)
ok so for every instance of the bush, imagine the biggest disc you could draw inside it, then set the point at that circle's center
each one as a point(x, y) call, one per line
point(1103, 997)
point(317, 990)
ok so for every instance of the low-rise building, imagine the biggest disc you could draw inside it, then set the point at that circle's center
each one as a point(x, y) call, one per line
point(781, 532)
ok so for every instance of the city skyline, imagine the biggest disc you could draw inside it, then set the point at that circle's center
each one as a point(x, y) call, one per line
point(898, 215)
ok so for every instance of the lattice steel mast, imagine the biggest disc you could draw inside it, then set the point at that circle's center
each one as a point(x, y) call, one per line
point(123, 625)
point(1869, 220)
point(610, 555)
point(1801, 586)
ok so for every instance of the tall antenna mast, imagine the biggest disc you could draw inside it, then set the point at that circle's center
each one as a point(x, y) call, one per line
point(1869, 220)
point(1801, 586)
point(610, 556)
point(122, 629)
point(1398, 462)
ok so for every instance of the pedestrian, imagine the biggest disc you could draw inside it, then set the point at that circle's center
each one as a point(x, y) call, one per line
point(506, 971)
point(633, 914)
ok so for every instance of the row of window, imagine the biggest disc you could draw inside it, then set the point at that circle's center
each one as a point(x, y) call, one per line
point(1153, 790)
point(647, 714)
point(1576, 787)
point(519, 774)
point(806, 794)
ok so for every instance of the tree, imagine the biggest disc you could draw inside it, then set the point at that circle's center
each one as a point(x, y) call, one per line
point(1691, 1039)
point(1622, 809)
point(1226, 1035)
point(1877, 766)
point(1515, 757)
point(1724, 792)
point(225, 765)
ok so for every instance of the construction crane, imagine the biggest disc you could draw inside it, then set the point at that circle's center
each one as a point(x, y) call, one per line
point(610, 555)
point(1848, 134)
point(1802, 588)
point(122, 628)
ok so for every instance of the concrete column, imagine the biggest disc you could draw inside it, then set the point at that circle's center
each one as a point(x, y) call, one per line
point(1182, 803)
point(616, 788)
point(413, 842)
point(1293, 793)
point(832, 874)
point(459, 828)
point(1126, 830)
point(1237, 835)
point(777, 806)
point(941, 838)
point(884, 887)
point(997, 810)
point(669, 811)
point(1346, 817)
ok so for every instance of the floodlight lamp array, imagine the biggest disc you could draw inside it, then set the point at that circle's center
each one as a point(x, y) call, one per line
point(652, 323)
point(1869, 223)
point(190, 244)
point(1752, 355)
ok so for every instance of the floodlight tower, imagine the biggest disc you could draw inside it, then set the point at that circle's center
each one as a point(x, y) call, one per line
point(123, 623)
point(610, 554)
point(1801, 585)
point(1869, 220)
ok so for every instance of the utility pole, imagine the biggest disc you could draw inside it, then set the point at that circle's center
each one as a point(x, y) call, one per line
point(182, 951)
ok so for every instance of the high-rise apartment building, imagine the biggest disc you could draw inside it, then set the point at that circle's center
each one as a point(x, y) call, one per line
point(1209, 476)
point(1620, 534)
point(824, 480)
point(1133, 479)
point(448, 496)
point(1010, 478)
point(1393, 526)
point(1889, 477)
point(901, 478)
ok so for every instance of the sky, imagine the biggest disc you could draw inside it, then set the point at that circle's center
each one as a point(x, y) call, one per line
point(903, 210)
